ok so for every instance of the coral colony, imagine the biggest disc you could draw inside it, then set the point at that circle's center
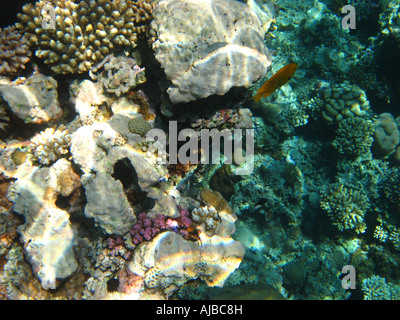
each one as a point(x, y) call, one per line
point(134, 163)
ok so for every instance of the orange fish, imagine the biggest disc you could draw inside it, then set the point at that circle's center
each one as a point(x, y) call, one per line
point(276, 81)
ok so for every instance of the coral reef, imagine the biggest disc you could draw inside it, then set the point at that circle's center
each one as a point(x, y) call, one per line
point(222, 48)
point(14, 51)
point(83, 33)
point(4, 118)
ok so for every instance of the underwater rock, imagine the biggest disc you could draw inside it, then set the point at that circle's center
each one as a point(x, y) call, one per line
point(35, 101)
point(265, 11)
point(47, 234)
point(295, 273)
point(48, 241)
point(221, 48)
point(169, 261)
point(87, 96)
point(107, 204)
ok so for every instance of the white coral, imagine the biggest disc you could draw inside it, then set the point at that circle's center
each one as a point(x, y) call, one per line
point(49, 145)
point(207, 215)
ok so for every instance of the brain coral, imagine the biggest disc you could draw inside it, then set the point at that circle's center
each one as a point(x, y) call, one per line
point(221, 48)
point(139, 125)
point(83, 33)
point(14, 50)
point(387, 135)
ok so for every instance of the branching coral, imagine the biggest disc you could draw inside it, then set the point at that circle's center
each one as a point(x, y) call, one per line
point(354, 136)
point(376, 288)
point(49, 145)
point(14, 51)
point(83, 34)
point(207, 216)
point(4, 119)
point(146, 228)
point(346, 206)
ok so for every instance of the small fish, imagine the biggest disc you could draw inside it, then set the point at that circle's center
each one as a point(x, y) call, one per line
point(276, 81)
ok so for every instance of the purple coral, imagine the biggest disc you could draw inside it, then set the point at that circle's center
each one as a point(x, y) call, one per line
point(146, 228)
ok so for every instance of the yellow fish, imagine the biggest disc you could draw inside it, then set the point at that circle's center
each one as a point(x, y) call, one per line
point(276, 81)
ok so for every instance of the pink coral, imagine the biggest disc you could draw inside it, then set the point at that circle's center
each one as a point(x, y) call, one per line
point(146, 228)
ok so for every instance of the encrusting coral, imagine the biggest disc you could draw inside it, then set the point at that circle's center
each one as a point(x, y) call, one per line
point(82, 34)
point(14, 51)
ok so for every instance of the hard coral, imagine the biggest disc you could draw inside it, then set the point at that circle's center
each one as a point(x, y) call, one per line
point(84, 33)
point(387, 135)
point(344, 101)
point(139, 125)
point(146, 228)
point(50, 144)
point(14, 51)
point(346, 206)
point(354, 136)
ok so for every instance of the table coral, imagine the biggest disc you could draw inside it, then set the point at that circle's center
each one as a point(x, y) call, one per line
point(83, 33)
